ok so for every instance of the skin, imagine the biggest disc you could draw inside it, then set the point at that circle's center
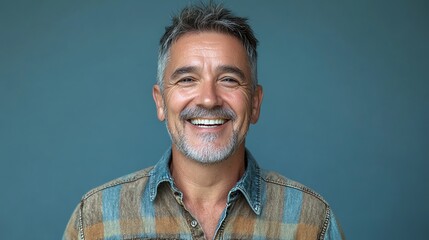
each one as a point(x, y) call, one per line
point(209, 70)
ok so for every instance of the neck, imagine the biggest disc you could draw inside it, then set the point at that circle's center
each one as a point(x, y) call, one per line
point(207, 184)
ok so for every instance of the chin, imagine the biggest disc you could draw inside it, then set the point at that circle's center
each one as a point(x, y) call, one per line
point(209, 154)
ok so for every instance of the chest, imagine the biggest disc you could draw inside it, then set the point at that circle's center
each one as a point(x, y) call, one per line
point(166, 218)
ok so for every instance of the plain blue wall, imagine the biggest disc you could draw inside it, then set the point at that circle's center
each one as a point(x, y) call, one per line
point(345, 111)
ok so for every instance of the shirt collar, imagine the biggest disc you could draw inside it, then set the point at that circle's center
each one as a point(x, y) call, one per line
point(249, 184)
point(160, 173)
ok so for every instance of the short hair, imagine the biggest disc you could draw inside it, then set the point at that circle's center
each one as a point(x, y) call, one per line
point(207, 17)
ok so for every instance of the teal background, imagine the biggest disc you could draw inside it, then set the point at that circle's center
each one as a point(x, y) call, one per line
point(345, 110)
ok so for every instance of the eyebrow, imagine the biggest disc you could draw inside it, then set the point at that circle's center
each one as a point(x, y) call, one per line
point(222, 69)
point(231, 69)
point(183, 70)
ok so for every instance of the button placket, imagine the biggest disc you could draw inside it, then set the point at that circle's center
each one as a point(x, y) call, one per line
point(194, 223)
point(196, 230)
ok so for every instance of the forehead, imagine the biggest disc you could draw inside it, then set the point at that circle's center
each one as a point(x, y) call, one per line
point(208, 46)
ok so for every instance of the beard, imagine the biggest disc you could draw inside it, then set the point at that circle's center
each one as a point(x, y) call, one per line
point(207, 151)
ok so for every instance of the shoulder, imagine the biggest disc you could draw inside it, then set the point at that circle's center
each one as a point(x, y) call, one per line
point(135, 181)
point(90, 212)
point(299, 204)
point(273, 179)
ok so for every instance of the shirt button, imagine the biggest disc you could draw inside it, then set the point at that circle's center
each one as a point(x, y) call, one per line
point(194, 223)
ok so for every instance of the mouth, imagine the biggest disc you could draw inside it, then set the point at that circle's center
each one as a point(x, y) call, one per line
point(207, 123)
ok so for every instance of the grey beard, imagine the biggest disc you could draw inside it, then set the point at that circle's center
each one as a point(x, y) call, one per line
point(207, 153)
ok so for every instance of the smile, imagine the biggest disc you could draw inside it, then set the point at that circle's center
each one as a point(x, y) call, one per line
point(207, 122)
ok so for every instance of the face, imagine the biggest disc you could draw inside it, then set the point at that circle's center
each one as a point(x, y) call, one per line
point(208, 101)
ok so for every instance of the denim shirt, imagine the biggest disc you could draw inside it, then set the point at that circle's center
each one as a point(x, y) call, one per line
point(148, 205)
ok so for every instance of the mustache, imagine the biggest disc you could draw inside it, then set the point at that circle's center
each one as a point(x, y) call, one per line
point(200, 112)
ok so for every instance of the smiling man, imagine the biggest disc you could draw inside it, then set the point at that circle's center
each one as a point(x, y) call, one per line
point(207, 185)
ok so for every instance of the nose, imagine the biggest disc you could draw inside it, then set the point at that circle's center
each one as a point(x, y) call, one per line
point(208, 95)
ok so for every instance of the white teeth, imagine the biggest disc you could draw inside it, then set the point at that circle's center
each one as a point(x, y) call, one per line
point(199, 121)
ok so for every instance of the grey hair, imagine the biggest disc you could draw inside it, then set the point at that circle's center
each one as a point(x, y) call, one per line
point(207, 17)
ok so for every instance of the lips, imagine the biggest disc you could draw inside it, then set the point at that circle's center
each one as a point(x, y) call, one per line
point(202, 122)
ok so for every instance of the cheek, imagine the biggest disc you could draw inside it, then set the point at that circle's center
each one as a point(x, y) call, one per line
point(176, 100)
point(241, 104)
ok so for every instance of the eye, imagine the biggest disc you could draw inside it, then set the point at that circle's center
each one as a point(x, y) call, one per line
point(186, 81)
point(229, 82)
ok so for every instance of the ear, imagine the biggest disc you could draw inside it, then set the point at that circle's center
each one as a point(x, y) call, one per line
point(159, 102)
point(256, 106)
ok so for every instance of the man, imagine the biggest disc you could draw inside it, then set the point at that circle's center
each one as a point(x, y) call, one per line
point(207, 185)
